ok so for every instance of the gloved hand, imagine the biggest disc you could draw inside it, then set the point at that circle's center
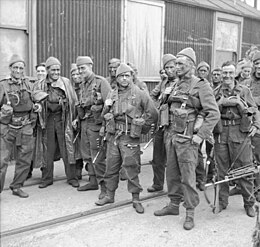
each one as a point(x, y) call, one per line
point(252, 131)
point(108, 102)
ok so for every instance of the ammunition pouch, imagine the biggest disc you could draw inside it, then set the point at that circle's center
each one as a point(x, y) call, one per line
point(164, 115)
point(6, 114)
point(111, 126)
point(96, 111)
point(246, 120)
point(136, 127)
point(218, 127)
point(180, 119)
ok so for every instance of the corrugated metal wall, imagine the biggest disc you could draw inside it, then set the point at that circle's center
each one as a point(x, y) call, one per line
point(69, 28)
point(188, 26)
point(251, 34)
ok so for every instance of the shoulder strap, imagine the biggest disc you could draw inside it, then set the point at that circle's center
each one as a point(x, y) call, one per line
point(6, 94)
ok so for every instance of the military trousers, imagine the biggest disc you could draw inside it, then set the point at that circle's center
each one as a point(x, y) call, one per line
point(182, 159)
point(23, 140)
point(159, 159)
point(256, 151)
point(200, 169)
point(123, 156)
point(89, 149)
point(226, 148)
point(56, 141)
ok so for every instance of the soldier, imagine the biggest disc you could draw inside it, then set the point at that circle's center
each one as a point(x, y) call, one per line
point(244, 76)
point(76, 81)
point(203, 70)
point(41, 71)
point(216, 77)
point(113, 64)
point(55, 131)
point(93, 92)
point(159, 153)
point(254, 86)
point(17, 119)
point(124, 110)
point(189, 99)
point(237, 107)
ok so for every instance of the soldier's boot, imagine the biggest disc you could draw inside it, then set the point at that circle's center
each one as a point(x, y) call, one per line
point(109, 198)
point(137, 205)
point(170, 209)
point(189, 220)
point(103, 190)
point(92, 185)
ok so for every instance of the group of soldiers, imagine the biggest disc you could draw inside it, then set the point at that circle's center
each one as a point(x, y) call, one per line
point(96, 123)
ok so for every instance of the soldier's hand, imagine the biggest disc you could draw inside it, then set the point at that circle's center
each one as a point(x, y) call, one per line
point(108, 102)
point(252, 130)
point(196, 139)
point(102, 131)
point(75, 124)
point(167, 90)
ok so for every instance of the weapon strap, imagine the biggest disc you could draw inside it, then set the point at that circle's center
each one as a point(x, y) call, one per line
point(7, 96)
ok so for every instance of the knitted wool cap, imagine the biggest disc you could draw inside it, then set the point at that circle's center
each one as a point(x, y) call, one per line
point(114, 60)
point(246, 64)
point(167, 58)
point(15, 59)
point(188, 52)
point(256, 56)
point(216, 69)
point(122, 69)
point(203, 64)
point(52, 61)
point(83, 60)
point(73, 67)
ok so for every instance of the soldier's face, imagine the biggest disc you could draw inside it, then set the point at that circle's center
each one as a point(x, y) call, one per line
point(228, 74)
point(112, 69)
point(85, 70)
point(76, 76)
point(203, 72)
point(257, 66)
point(17, 70)
point(170, 69)
point(124, 79)
point(41, 72)
point(216, 76)
point(54, 72)
point(183, 66)
point(246, 72)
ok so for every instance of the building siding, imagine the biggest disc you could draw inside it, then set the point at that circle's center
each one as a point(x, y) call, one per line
point(188, 26)
point(251, 34)
point(69, 28)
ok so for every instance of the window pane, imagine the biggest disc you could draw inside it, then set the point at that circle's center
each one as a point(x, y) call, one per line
point(144, 37)
point(13, 13)
point(11, 42)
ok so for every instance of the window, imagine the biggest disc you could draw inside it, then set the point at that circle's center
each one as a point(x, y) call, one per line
point(143, 36)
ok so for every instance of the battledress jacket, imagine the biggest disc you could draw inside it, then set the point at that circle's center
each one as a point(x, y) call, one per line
point(41, 146)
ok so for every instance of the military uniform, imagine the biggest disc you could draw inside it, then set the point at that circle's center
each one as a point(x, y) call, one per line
point(190, 98)
point(232, 133)
point(124, 128)
point(93, 93)
point(17, 129)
